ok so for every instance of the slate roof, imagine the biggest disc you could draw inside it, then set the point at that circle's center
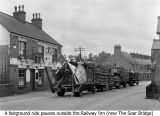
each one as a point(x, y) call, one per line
point(156, 44)
point(25, 29)
point(123, 59)
point(143, 61)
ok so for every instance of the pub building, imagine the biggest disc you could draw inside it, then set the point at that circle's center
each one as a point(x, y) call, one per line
point(25, 50)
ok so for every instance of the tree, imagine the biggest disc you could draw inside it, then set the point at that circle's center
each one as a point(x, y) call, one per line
point(101, 57)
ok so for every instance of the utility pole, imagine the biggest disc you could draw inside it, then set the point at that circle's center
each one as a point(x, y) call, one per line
point(80, 49)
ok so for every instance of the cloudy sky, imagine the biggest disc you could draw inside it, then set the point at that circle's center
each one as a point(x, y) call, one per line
point(96, 25)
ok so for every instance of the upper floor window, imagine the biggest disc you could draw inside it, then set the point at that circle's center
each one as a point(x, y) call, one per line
point(40, 49)
point(54, 55)
point(22, 48)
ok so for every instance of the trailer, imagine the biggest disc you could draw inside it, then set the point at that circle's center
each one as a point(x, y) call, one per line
point(73, 77)
point(119, 77)
point(103, 80)
point(133, 78)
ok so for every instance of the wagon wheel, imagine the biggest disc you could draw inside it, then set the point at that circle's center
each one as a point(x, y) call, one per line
point(61, 92)
point(124, 84)
point(78, 94)
point(118, 86)
point(131, 83)
point(93, 89)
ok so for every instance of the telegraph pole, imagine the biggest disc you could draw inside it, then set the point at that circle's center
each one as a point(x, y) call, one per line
point(80, 49)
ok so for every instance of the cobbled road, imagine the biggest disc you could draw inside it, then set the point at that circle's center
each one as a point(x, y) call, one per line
point(130, 98)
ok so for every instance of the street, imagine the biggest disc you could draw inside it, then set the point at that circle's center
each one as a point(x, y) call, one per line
point(130, 98)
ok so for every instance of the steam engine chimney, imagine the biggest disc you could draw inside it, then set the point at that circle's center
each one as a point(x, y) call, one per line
point(20, 14)
point(37, 21)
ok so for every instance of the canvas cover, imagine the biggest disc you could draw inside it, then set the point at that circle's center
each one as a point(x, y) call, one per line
point(80, 74)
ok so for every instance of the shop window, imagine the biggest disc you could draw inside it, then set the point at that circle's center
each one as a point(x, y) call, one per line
point(22, 49)
point(22, 77)
point(40, 77)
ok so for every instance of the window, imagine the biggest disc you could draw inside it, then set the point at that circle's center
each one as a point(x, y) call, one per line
point(22, 77)
point(54, 55)
point(40, 49)
point(40, 77)
point(38, 54)
point(22, 49)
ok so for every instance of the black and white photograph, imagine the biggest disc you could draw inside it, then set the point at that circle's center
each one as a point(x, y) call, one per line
point(80, 55)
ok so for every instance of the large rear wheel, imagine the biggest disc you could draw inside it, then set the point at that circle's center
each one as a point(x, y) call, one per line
point(61, 92)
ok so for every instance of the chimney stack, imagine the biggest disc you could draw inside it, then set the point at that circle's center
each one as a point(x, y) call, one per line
point(36, 20)
point(20, 14)
point(117, 49)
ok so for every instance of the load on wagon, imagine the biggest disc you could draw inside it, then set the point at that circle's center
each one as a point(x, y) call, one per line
point(74, 77)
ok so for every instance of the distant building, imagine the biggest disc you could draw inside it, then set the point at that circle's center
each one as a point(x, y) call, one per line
point(144, 62)
point(26, 49)
point(120, 58)
point(132, 62)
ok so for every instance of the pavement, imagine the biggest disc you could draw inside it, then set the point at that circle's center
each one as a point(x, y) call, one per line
point(129, 98)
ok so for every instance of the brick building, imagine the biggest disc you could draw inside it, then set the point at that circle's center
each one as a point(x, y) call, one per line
point(25, 50)
point(121, 58)
point(144, 62)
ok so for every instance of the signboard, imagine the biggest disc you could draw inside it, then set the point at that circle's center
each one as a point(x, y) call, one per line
point(28, 76)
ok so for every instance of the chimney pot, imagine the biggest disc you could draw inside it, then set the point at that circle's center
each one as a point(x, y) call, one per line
point(15, 8)
point(39, 15)
point(22, 7)
point(33, 15)
point(19, 7)
point(36, 15)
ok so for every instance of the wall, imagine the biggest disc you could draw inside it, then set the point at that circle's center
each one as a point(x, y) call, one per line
point(4, 55)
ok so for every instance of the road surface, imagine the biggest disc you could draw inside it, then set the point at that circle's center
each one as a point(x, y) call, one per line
point(130, 98)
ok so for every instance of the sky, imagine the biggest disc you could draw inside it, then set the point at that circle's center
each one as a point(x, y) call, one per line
point(96, 25)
